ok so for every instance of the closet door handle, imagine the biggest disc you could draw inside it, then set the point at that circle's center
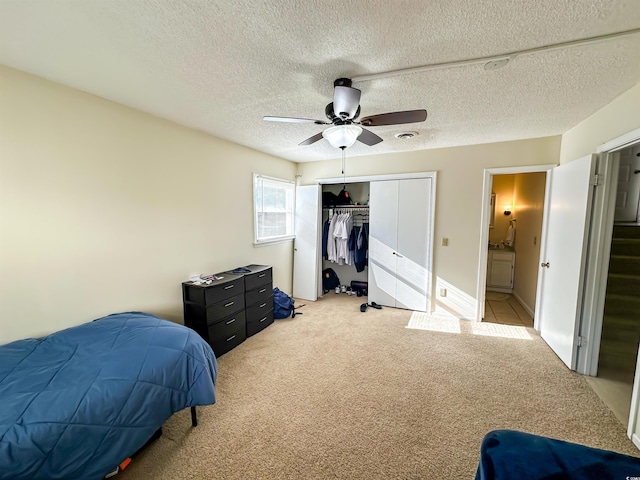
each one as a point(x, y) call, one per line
point(398, 255)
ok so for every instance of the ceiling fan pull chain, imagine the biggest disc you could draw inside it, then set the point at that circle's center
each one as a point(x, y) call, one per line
point(344, 177)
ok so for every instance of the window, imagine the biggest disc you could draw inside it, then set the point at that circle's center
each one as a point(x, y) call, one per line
point(273, 207)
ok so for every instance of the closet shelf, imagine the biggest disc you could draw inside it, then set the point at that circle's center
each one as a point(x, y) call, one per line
point(353, 207)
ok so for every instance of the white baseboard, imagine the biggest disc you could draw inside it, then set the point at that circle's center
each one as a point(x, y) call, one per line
point(524, 305)
point(635, 440)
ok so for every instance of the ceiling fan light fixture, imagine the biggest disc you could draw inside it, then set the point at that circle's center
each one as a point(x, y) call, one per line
point(342, 136)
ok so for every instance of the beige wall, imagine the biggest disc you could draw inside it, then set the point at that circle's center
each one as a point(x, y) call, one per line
point(106, 209)
point(620, 116)
point(528, 194)
point(502, 186)
point(458, 202)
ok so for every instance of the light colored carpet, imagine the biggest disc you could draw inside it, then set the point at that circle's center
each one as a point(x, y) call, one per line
point(336, 393)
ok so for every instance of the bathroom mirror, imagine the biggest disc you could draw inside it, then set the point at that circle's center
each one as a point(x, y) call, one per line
point(492, 210)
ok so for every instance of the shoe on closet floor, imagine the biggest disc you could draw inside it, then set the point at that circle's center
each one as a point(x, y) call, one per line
point(375, 305)
point(363, 307)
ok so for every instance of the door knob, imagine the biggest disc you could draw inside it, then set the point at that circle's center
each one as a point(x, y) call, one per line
point(546, 265)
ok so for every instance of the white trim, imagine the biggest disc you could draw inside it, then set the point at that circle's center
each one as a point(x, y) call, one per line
point(621, 142)
point(484, 226)
point(275, 179)
point(635, 440)
point(375, 178)
point(264, 243)
point(635, 404)
point(599, 254)
point(281, 238)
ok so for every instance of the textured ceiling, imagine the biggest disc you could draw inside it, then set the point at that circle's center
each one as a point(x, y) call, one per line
point(220, 66)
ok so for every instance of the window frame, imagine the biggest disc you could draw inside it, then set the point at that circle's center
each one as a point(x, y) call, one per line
point(286, 185)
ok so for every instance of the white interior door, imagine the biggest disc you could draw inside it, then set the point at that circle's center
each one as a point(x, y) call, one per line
point(628, 193)
point(383, 241)
point(305, 250)
point(565, 253)
point(414, 244)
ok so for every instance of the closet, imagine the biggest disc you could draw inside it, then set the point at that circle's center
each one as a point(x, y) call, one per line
point(397, 213)
point(359, 213)
point(400, 243)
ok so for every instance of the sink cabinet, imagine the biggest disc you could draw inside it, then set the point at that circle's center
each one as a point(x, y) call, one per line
point(500, 271)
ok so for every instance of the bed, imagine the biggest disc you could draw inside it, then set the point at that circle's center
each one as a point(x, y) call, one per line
point(76, 403)
point(509, 454)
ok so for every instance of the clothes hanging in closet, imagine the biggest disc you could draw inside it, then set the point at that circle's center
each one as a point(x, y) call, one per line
point(345, 243)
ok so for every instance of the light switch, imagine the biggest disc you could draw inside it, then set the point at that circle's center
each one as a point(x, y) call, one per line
point(443, 292)
point(445, 242)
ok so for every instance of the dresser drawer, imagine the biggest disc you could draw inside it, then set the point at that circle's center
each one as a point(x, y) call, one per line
point(227, 327)
point(258, 279)
point(218, 293)
point(260, 294)
point(260, 309)
point(222, 345)
point(225, 287)
point(255, 326)
point(225, 308)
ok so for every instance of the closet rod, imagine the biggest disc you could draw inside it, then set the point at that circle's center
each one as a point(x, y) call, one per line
point(351, 207)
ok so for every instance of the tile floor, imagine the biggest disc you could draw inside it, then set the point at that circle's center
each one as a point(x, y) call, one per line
point(503, 308)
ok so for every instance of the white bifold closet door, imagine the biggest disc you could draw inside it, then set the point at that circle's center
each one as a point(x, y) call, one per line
point(400, 227)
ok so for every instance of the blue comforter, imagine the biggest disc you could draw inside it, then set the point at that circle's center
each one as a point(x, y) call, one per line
point(78, 402)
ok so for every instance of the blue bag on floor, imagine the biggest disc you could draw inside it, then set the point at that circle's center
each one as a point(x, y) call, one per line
point(282, 304)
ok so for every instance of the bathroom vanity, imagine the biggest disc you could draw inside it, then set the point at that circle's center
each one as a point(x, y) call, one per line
point(500, 269)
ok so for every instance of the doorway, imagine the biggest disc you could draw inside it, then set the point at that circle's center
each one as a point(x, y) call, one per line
point(512, 225)
point(620, 335)
point(514, 247)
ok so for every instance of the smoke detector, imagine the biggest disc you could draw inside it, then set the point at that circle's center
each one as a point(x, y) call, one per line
point(405, 135)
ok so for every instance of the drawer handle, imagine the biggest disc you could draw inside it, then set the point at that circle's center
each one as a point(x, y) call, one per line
point(231, 338)
point(263, 290)
point(229, 304)
point(263, 305)
point(228, 287)
point(262, 275)
point(263, 320)
point(231, 321)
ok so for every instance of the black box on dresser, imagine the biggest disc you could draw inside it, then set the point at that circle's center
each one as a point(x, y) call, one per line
point(217, 311)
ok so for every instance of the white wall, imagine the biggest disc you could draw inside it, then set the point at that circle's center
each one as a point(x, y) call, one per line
point(458, 203)
point(620, 116)
point(106, 209)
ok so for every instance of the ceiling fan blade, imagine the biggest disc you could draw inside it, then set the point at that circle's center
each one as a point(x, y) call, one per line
point(346, 101)
point(294, 120)
point(395, 118)
point(310, 140)
point(369, 138)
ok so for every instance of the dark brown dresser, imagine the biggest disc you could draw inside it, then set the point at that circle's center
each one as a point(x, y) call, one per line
point(258, 297)
point(217, 311)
